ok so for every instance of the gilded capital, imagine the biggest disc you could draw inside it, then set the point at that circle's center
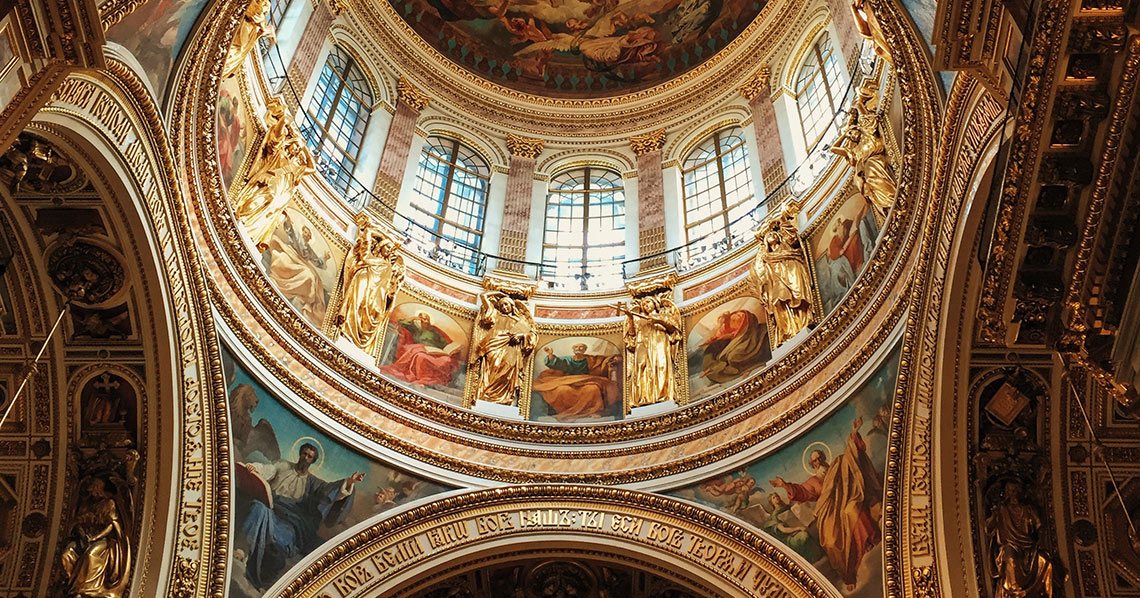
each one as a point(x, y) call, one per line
point(411, 95)
point(758, 85)
point(524, 147)
point(652, 141)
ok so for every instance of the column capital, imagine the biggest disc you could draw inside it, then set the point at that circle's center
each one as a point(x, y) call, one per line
point(758, 86)
point(411, 95)
point(524, 147)
point(645, 143)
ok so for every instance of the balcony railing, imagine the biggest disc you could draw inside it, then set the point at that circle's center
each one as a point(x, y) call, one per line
point(570, 277)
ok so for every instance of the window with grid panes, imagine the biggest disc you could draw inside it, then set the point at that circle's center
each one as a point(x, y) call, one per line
point(338, 116)
point(270, 55)
point(717, 188)
point(584, 225)
point(818, 89)
point(277, 10)
point(451, 193)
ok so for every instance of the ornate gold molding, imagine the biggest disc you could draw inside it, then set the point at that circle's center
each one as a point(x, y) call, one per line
point(385, 554)
point(759, 85)
point(411, 95)
point(652, 141)
point(524, 147)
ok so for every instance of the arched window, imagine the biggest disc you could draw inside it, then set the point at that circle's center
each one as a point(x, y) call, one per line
point(338, 116)
point(451, 195)
point(718, 188)
point(584, 233)
point(818, 89)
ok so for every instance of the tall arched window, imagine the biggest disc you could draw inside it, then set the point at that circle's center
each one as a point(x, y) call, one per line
point(338, 116)
point(584, 234)
point(451, 196)
point(270, 54)
point(718, 188)
point(818, 89)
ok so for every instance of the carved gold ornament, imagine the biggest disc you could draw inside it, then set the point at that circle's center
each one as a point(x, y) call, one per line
point(861, 145)
point(652, 141)
point(411, 95)
point(758, 85)
point(524, 147)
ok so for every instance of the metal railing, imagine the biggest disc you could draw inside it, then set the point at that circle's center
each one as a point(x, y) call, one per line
point(569, 276)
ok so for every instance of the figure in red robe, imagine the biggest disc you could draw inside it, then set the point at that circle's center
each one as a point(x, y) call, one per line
point(425, 354)
point(848, 500)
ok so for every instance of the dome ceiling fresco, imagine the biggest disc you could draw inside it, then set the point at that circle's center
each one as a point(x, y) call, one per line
point(575, 48)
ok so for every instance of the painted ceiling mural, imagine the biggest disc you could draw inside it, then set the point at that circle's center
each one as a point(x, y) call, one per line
point(577, 48)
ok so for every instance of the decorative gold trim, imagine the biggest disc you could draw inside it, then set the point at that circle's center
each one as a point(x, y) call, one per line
point(645, 143)
point(524, 147)
point(411, 95)
point(759, 86)
point(739, 557)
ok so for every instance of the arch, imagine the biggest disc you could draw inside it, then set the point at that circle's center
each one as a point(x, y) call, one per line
point(734, 115)
point(575, 158)
point(785, 73)
point(584, 224)
point(450, 193)
point(482, 144)
point(383, 85)
point(717, 191)
point(379, 558)
point(187, 467)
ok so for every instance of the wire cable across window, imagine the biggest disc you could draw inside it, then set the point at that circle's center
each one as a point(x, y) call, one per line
point(338, 111)
point(717, 188)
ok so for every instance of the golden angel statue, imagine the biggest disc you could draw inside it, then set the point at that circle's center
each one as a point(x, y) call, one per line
point(1022, 568)
point(253, 26)
point(504, 338)
point(861, 144)
point(371, 277)
point(653, 334)
point(97, 558)
point(780, 275)
point(277, 170)
point(868, 26)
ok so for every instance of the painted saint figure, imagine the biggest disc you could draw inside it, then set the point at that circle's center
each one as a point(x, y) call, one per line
point(296, 269)
point(737, 344)
point(781, 278)
point(371, 278)
point(504, 338)
point(276, 531)
point(652, 346)
point(848, 495)
point(282, 161)
point(425, 354)
point(579, 385)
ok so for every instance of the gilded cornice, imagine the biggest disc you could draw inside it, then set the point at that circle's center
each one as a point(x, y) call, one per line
point(411, 95)
point(645, 143)
point(524, 147)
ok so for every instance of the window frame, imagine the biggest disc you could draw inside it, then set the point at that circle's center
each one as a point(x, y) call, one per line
point(586, 193)
point(340, 168)
point(718, 156)
point(446, 194)
point(824, 94)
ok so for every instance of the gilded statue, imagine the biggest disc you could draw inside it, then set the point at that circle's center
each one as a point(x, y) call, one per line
point(1021, 567)
point(253, 26)
point(868, 26)
point(781, 278)
point(97, 558)
point(504, 338)
point(371, 277)
point(277, 170)
point(861, 144)
point(653, 334)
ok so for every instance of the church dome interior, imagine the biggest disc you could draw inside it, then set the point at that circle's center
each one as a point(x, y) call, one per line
point(596, 298)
